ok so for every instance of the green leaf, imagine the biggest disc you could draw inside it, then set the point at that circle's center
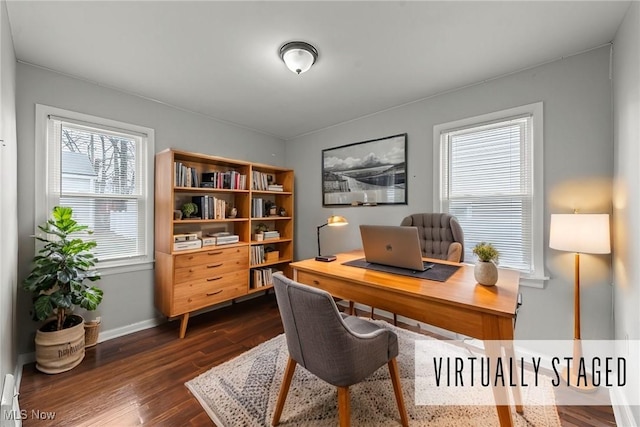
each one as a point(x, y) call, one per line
point(42, 307)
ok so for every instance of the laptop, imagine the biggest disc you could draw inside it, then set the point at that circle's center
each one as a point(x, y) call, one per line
point(393, 245)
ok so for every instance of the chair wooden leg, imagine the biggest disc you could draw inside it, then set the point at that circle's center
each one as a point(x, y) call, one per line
point(395, 319)
point(397, 390)
point(371, 315)
point(344, 406)
point(352, 309)
point(284, 390)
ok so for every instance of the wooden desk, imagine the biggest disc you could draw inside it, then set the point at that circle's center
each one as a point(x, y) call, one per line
point(459, 304)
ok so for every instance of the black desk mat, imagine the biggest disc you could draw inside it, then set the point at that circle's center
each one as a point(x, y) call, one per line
point(439, 272)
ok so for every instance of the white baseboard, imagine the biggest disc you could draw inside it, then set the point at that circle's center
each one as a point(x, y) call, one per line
point(129, 329)
point(621, 409)
point(26, 358)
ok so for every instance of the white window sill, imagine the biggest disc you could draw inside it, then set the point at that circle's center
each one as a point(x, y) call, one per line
point(533, 282)
point(107, 270)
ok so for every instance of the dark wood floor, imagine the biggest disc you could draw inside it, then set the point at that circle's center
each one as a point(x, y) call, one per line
point(139, 378)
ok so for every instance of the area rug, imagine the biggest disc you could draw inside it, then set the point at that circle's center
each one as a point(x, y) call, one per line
point(244, 390)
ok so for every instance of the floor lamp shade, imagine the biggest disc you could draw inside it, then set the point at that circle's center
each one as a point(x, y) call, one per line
point(581, 233)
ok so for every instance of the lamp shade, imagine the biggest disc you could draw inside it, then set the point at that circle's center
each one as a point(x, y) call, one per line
point(336, 220)
point(298, 56)
point(582, 233)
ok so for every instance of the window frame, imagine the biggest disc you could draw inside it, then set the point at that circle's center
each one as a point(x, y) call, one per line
point(537, 278)
point(43, 204)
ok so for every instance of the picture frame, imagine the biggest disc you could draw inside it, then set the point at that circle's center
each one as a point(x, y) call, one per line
point(366, 173)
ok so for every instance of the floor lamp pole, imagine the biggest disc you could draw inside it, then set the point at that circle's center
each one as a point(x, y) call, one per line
point(577, 344)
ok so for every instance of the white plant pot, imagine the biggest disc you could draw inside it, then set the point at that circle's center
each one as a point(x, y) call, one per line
point(486, 273)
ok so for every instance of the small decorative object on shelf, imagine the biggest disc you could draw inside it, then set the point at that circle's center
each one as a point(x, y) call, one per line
point(233, 212)
point(485, 271)
point(189, 209)
point(282, 212)
point(177, 214)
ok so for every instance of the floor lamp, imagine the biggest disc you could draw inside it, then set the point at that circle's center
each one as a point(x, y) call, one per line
point(579, 233)
point(332, 221)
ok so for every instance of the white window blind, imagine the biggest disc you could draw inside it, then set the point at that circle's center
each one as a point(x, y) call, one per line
point(487, 183)
point(102, 173)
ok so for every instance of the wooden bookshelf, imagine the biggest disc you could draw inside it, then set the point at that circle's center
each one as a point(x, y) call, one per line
point(193, 279)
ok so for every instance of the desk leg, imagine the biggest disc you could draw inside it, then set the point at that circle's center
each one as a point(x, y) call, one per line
point(494, 352)
point(517, 395)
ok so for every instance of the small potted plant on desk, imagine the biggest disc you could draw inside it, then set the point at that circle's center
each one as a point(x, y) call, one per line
point(485, 271)
point(57, 283)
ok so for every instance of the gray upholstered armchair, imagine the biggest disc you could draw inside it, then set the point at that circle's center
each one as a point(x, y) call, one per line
point(339, 349)
point(440, 234)
point(441, 237)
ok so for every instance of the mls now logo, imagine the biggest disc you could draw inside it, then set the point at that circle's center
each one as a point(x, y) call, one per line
point(14, 414)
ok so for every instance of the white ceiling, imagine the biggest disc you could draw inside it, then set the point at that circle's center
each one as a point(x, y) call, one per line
point(221, 58)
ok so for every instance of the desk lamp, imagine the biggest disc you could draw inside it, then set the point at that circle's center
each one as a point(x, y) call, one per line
point(579, 233)
point(332, 221)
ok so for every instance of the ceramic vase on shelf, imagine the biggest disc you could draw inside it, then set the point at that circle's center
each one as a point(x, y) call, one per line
point(486, 273)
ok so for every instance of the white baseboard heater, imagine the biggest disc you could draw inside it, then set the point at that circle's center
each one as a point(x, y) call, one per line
point(10, 415)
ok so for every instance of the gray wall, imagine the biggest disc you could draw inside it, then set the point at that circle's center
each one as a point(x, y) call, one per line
point(8, 198)
point(128, 297)
point(626, 204)
point(578, 165)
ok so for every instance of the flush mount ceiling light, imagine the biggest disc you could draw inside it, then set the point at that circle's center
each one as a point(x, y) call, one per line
point(298, 56)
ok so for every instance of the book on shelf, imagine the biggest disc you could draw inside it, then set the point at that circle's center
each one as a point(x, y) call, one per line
point(275, 187)
point(261, 181)
point(229, 180)
point(185, 176)
point(262, 277)
point(257, 207)
point(210, 207)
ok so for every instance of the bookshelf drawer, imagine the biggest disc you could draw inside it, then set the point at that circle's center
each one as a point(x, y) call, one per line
point(211, 290)
point(212, 268)
point(212, 255)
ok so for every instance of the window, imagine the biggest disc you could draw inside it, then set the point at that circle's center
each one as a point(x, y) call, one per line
point(102, 169)
point(489, 175)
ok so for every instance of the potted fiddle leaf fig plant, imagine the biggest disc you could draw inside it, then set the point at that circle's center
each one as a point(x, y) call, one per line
point(486, 271)
point(58, 283)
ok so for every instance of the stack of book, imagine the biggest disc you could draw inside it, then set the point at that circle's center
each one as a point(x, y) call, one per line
point(224, 238)
point(275, 187)
point(274, 234)
point(183, 242)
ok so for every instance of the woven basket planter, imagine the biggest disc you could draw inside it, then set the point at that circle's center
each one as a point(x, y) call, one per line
point(91, 332)
point(60, 351)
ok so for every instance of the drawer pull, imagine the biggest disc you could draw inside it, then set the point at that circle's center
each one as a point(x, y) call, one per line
point(209, 294)
point(316, 282)
point(214, 265)
point(212, 279)
point(214, 253)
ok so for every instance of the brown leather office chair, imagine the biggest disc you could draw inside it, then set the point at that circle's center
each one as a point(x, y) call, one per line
point(441, 237)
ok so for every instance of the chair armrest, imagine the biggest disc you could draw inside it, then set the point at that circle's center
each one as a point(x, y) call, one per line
point(455, 252)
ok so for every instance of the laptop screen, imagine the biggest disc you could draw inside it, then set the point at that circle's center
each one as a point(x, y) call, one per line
point(397, 246)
